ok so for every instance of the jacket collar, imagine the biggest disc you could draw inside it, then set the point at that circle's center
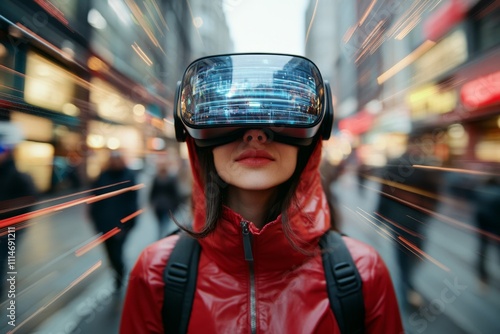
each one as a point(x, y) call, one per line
point(272, 250)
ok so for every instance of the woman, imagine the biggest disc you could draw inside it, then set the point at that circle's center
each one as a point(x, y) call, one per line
point(259, 209)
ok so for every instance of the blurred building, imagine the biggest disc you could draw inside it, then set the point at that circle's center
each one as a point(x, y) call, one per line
point(83, 77)
point(426, 68)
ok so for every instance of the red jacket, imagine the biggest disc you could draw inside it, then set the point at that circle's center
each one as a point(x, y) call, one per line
point(290, 287)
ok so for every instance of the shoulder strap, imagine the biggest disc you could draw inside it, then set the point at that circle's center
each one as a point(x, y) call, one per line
point(342, 277)
point(180, 284)
point(343, 284)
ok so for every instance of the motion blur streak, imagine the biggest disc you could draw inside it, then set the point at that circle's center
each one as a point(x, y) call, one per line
point(99, 240)
point(38, 213)
point(74, 283)
point(419, 251)
point(60, 197)
point(135, 214)
point(409, 231)
point(443, 218)
point(89, 199)
point(458, 170)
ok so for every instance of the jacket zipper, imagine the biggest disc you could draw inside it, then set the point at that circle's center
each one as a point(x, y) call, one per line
point(247, 247)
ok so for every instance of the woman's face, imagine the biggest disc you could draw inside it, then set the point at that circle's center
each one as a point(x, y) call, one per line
point(254, 163)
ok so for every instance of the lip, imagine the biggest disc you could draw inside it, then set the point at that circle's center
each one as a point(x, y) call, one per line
point(254, 157)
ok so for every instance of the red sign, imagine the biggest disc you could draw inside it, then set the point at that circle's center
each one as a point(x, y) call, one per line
point(357, 124)
point(481, 92)
point(444, 19)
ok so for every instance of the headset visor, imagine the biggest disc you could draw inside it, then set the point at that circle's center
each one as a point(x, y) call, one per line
point(221, 94)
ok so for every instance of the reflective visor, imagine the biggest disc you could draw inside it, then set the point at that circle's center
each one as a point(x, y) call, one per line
point(221, 94)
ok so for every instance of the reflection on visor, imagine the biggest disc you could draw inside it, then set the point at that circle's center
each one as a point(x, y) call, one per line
point(255, 89)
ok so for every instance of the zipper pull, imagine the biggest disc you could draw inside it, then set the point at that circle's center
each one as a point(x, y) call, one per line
point(247, 241)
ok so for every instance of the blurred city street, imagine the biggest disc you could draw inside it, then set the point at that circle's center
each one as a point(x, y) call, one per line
point(455, 301)
point(61, 292)
point(98, 100)
point(53, 300)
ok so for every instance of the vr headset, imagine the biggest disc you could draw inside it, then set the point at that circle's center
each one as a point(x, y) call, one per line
point(219, 97)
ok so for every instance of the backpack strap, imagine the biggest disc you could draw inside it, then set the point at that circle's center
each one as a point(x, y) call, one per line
point(180, 284)
point(343, 283)
point(342, 277)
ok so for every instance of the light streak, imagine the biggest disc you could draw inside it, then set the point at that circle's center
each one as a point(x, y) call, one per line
point(71, 285)
point(160, 15)
point(62, 197)
point(367, 12)
point(133, 215)
point(53, 11)
point(456, 170)
point(311, 22)
point(26, 31)
point(38, 213)
point(97, 241)
point(442, 217)
point(136, 11)
point(399, 239)
point(423, 48)
point(401, 227)
point(422, 253)
point(58, 207)
point(141, 54)
point(114, 193)
point(348, 34)
point(153, 19)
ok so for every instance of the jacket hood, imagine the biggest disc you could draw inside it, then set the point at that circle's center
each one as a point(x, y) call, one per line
point(309, 218)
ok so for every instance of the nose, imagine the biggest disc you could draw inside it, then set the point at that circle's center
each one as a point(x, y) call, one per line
point(257, 135)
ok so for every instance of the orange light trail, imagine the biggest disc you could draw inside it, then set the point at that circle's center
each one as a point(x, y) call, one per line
point(311, 22)
point(441, 217)
point(401, 240)
point(423, 48)
point(114, 193)
point(367, 12)
point(457, 170)
point(30, 215)
point(71, 285)
point(89, 199)
point(53, 11)
point(97, 241)
point(133, 215)
point(409, 231)
point(422, 253)
point(62, 197)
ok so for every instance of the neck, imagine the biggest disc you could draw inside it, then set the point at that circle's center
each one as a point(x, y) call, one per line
point(252, 205)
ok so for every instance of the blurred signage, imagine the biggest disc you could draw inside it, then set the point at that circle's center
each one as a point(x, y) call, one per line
point(445, 18)
point(444, 56)
point(394, 120)
point(357, 124)
point(34, 128)
point(431, 100)
point(111, 104)
point(481, 92)
point(47, 85)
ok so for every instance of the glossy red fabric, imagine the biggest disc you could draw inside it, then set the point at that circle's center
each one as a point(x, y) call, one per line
point(291, 295)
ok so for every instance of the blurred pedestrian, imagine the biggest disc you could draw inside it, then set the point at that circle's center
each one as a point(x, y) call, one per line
point(259, 213)
point(330, 173)
point(487, 215)
point(407, 194)
point(113, 212)
point(17, 194)
point(165, 196)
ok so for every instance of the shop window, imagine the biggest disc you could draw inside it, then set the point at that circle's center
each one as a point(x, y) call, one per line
point(47, 85)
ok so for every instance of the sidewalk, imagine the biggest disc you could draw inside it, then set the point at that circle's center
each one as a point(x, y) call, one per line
point(97, 309)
